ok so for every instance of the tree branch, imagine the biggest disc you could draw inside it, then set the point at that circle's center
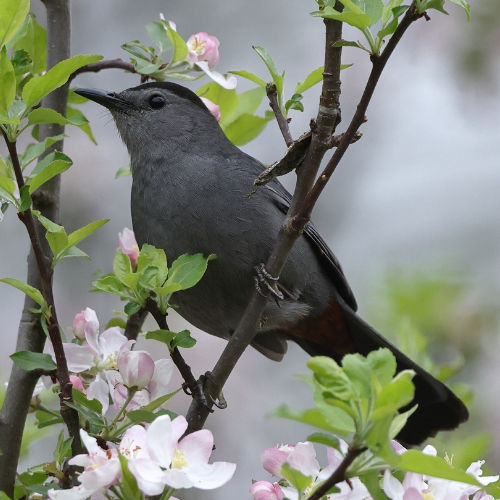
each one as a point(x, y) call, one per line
point(106, 64)
point(134, 324)
point(339, 474)
point(327, 119)
point(303, 200)
point(30, 334)
point(282, 121)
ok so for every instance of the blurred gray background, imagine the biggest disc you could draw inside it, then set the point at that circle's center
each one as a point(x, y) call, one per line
point(419, 191)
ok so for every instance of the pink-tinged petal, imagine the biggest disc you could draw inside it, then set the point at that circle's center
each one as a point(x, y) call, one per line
point(197, 447)
point(303, 459)
point(392, 487)
point(128, 245)
point(102, 475)
point(161, 442)
point(397, 447)
point(228, 83)
point(149, 476)
point(81, 460)
point(475, 469)
point(430, 450)
point(412, 494)
point(86, 323)
point(78, 357)
point(134, 443)
point(161, 378)
point(203, 47)
point(264, 490)
point(179, 426)
point(90, 443)
point(273, 459)
point(177, 478)
point(414, 480)
point(210, 476)
point(111, 341)
point(99, 389)
point(212, 107)
point(77, 383)
point(290, 493)
point(76, 493)
point(136, 368)
point(334, 459)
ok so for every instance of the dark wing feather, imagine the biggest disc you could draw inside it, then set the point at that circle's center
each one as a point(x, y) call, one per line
point(282, 199)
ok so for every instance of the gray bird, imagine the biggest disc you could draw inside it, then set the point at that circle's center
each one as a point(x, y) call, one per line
point(189, 195)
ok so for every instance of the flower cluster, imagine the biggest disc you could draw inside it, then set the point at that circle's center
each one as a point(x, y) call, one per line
point(302, 457)
point(157, 458)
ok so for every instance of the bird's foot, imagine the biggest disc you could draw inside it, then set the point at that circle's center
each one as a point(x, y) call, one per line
point(198, 391)
point(265, 282)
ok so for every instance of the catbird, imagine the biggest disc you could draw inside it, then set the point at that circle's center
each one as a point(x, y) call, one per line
point(190, 188)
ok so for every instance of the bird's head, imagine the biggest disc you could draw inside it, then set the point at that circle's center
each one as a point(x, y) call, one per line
point(158, 115)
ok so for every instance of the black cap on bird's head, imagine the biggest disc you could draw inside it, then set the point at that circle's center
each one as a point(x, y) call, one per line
point(155, 110)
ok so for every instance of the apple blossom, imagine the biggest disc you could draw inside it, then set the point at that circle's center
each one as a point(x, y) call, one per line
point(212, 107)
point(264, 490)
point(101, 469)
point(128, 245)
point(84, 321)
point(135, 367)
point(77, 383)
point(178, 464)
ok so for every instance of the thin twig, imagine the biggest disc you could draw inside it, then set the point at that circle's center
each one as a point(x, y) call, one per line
point(282, 121)
point(180, 363)
point(339, 474)
point(69, 415)
point(106, 64)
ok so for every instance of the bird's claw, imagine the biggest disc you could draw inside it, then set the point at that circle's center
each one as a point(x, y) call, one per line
point(264, 279)
point(203, 397)
point(219, 401)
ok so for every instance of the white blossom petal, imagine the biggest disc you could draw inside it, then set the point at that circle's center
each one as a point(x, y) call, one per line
point(197, 447)
point(149, 476)
point(78, 357)
point(160, 439)
point(228, 83)
point(210, 476)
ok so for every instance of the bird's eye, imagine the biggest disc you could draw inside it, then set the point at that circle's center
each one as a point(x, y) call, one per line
point(157, 101)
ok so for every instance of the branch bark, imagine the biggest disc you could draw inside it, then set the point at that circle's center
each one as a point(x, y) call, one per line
point(30, 334)
point(282, 121)
point(106, 64)
point(306, 193)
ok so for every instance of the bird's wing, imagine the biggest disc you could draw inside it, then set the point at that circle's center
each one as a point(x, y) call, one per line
point(282, 199)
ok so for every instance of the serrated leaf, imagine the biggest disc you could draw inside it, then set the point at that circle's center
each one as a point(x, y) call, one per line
point(7, 82)
point(110, 284)
point(250, 76)
point(187, 270)
point(183, 339)
point(55, 168)
point(28, 360)
point(12, 15)
point(165, 336)
point(39, 86)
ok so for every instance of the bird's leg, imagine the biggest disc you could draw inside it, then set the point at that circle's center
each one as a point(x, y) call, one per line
point(266, 281)
point(200, 393)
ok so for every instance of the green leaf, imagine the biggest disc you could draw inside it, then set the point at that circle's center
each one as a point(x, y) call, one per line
point(250, 76)
point(77, 118)
point(123, 172)
point(28, 360)
point(245, 128)
point(46, 115)
point(383, 364)
point(187, 270)
point(34, 150)
point(32, 39)
point(298, 480)
point(295, 103)
point(76, 236)
point(131, 308)
point(91, 416)
point(158, 33)
point(398, 393)
point(183, 339)
point(25, 198)
point(312, 79)
point(159, 401)
point(372, 8)
point(268, 61)
point(464, 5)
point(7, 82)
point(137, 49)
point(179, 45)
point(92, 404)
point(128, 483)
point(39, 86)
point(110, 284)
point(7, 188)
point(71, 252)
point(50, 171)
point(141, 416)
point(248, 102)
point(29, 290)
point(227, 100)
point(63, 449)
point(12, 15)
point(423, 5)
point(357, 19)
point(165, 336)
point(326, 439)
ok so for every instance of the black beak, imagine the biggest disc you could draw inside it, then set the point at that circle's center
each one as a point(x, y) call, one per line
point(106, 99)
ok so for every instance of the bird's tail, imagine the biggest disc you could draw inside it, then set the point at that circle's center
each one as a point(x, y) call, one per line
point(438, 408)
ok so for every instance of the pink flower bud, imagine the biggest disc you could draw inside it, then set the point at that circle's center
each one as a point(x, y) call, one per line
point(264, 490)
point(128, 245)
point(135, 367)
point(203, 47)
point(274, 458)
point(85, 323)
point(77, 383)
point(212, 107)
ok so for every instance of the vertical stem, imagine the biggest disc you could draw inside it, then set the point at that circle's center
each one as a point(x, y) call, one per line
point(30, 334)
